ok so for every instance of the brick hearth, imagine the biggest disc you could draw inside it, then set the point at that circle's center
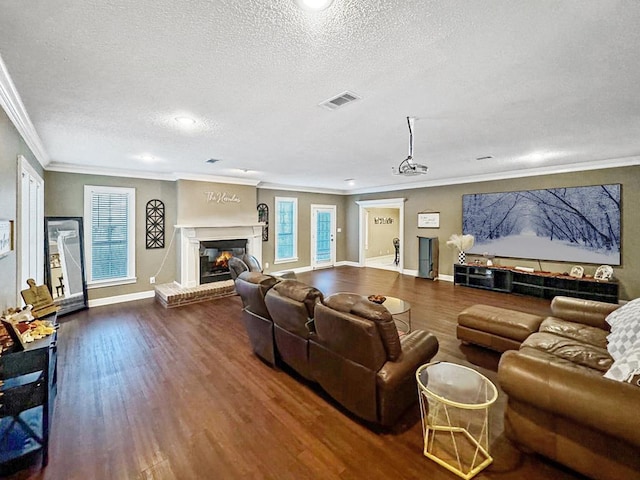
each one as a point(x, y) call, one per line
point(172, 295)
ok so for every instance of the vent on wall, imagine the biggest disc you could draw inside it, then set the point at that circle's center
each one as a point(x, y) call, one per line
point(340, 100)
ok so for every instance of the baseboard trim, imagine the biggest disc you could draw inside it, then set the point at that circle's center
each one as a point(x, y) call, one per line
point(347, 263)
point(129, 297)
point(446, 278)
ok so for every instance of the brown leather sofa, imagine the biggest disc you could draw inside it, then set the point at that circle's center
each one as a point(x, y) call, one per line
point(559, 403)
point(292, 306)
point(358, 358)
point(347, 344)
point(252, 288)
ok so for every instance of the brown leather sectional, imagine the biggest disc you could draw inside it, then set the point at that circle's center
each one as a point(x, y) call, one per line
point(345, 343)
point(559, 403)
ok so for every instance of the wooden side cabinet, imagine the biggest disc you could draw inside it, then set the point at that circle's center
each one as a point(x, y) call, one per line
point(28, 382)
point(428, 257)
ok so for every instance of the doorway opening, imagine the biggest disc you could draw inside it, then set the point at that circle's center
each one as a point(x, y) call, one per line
point(382, 234)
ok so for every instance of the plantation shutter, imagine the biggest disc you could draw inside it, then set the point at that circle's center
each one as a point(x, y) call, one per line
point(109, 235)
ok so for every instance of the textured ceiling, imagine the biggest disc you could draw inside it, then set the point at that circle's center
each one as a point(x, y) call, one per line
point(539, 85)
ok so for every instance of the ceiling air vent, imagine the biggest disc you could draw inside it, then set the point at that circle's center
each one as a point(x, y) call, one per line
point(212, 160)
point(340, 100)
point(486, 157)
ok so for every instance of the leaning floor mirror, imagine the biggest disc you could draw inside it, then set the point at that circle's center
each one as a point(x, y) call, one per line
point(64, 268)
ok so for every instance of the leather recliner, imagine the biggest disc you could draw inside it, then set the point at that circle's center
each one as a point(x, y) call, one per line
point(358, 358)
point(252, 288)
point(246, 263)
point(292, 306)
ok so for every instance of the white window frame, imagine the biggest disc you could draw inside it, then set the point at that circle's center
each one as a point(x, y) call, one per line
point(293, 200)
point(131, 240)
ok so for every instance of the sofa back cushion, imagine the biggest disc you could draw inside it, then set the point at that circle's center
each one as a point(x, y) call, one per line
point(292, 304)
point(350, 337)
point(359, 306)
point(252, 287)
point(579, 310)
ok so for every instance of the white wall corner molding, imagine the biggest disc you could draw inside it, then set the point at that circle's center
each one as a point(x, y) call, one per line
point(347, 263)
point(189, 238)
point(12, 104)
point(129, 297)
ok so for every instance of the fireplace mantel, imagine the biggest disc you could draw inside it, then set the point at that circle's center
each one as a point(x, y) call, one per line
point(190, 236)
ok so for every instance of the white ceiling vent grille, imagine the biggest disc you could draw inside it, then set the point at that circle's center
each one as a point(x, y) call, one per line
point(340, 100)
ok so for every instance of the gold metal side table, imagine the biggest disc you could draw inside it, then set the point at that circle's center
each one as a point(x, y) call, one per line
point(454, 407)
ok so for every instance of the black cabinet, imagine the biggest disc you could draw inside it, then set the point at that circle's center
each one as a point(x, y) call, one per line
point(483, 277)
point(535, 284)
point(28, 383)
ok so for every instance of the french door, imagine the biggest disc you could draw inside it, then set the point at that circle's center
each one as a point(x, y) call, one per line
point(323, 234)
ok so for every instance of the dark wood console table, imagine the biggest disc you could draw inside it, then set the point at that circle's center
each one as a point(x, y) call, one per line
point(537, 284)
point(28, 382)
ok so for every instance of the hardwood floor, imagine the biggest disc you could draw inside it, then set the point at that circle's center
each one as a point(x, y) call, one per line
point(150, 393)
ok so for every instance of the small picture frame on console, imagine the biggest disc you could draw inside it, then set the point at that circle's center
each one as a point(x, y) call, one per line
point(604, 272)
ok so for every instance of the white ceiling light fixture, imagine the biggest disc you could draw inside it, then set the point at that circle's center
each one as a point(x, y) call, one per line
point(185, 121)
point(408, 167)
point(314, 5)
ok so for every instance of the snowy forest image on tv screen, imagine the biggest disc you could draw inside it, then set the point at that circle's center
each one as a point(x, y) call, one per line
point(576, 224)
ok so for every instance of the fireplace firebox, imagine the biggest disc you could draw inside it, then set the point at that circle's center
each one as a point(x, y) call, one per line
point(214, 258)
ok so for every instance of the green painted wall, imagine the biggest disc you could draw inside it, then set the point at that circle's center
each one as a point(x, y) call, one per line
point(448, 201)
point(64, 196)
point(11, 145)
point(305, 200)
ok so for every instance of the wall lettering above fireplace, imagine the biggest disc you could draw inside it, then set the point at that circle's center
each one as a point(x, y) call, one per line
point(222, 197)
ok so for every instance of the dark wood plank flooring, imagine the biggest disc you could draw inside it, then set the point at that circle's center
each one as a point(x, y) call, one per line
point(150, 393)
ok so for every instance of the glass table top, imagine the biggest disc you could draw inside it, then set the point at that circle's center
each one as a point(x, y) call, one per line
point(456, 385)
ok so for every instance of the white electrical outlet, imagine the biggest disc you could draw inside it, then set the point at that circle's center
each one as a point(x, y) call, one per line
point(152, 280)
point(266, 265)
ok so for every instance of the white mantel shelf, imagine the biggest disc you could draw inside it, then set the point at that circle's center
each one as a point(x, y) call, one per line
point(235, 225)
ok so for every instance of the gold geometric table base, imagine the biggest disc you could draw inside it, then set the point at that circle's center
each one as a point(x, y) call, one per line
point(451, 449)
point(454, 409)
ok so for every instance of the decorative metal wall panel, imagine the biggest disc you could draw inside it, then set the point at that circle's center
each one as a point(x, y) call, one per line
point(263, 216)
point(155, 224)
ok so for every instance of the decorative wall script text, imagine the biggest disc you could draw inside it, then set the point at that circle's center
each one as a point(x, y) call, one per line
point(222, 197)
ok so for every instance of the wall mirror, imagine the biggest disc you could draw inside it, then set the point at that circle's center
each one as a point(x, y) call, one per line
point(64, 265)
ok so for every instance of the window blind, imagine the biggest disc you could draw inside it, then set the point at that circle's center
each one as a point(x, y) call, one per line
point(109, 235)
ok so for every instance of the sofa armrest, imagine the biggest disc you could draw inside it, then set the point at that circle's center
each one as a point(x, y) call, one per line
point(418, 347)
point(587, 312)
point(572, 392)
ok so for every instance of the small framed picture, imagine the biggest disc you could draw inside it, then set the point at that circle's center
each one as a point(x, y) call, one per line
point(604, 272)
point(577, 272)
point(6, 237)
point(429, 220)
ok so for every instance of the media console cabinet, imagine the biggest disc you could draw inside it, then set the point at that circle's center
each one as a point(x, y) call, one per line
point(536, 284)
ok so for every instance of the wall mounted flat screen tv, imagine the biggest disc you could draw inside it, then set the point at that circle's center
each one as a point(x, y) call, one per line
point(574, 224)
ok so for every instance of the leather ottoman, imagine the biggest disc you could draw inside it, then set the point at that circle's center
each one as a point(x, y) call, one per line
point(496, 328)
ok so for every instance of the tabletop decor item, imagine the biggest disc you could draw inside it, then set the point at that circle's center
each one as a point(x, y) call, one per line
point(379, 299)
point(462, 243)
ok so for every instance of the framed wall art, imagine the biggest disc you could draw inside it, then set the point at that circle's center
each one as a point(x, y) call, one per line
point(6, 237)
point(429, 220)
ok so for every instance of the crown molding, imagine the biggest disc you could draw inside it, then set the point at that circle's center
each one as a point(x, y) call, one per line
point(296, 188)
point(12, 104)
point(146, 175)
point(531, 172)
point(174, 176)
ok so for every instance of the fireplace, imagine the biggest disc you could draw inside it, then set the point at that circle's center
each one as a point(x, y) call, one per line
point(214, 258)
point(191, 237)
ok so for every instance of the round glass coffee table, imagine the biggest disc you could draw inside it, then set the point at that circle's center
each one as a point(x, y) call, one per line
point(397, 307)
point(454, 407)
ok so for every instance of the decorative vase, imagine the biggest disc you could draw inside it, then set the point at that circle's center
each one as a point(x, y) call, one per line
point(462, 258)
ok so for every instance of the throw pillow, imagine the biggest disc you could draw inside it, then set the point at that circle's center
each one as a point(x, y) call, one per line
point(625, 334)
point(627, 368)
point(628, 310)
